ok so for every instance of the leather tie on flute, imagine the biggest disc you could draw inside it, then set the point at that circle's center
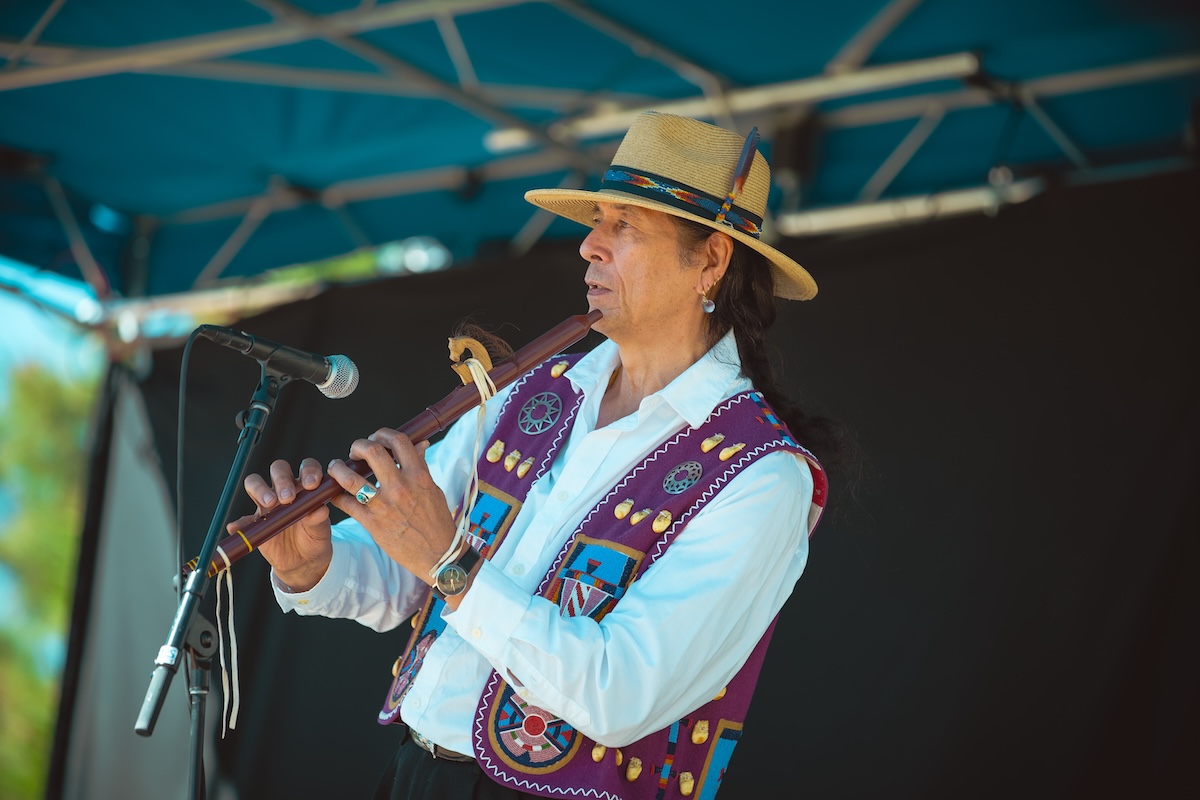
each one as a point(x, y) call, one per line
point(433, 419)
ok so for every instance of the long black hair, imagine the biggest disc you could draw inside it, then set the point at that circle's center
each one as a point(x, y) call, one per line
point(745, 302)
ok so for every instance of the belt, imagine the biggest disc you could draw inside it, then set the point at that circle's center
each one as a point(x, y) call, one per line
point(437, 751)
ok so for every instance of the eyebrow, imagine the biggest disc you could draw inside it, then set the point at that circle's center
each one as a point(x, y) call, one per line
point(616, 207)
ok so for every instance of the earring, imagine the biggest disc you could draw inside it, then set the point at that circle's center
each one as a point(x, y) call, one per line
point(708, 305)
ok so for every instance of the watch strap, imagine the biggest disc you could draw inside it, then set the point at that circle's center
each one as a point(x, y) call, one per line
point(468, 560)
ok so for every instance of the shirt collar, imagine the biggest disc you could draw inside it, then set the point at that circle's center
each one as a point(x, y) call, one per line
point(693, 394)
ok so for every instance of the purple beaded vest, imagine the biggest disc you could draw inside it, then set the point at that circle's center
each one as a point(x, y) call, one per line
point(529, 748)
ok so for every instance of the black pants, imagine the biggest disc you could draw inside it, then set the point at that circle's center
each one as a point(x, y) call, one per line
point(414, 774)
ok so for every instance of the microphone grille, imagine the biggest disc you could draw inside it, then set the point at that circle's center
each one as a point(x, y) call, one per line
point(342, 380)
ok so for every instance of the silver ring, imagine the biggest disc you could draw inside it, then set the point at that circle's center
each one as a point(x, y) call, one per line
point(366, 494)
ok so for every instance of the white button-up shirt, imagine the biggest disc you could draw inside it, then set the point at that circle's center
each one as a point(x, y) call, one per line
point(678, 634)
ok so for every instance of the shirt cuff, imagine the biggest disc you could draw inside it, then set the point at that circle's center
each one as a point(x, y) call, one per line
point(489, 612)
point(323, 592)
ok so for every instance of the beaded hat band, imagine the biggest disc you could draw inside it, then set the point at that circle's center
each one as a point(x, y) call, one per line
point(692, 170)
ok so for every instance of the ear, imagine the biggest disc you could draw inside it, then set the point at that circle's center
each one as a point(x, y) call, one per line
point(718, 249)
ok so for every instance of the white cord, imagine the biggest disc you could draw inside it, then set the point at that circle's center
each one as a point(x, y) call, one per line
point(229, 710)
point(487, 390)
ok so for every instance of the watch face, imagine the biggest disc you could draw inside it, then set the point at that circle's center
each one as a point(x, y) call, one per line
point(452, 579)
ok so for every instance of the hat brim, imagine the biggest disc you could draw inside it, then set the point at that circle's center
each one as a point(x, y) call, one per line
point(791, 281)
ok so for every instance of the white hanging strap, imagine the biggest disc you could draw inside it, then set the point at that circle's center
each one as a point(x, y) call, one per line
point(230, 700)
point(487, 390)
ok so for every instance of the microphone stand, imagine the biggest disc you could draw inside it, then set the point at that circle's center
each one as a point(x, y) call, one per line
point(197, 636)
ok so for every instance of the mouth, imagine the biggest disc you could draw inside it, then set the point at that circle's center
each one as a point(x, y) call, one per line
point(595, 288)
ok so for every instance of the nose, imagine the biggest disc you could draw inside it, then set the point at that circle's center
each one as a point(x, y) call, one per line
point(592, 248)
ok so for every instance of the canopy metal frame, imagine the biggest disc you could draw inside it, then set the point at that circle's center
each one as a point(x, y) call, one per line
point(572, 141)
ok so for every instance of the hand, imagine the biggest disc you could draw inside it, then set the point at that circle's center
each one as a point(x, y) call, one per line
point(408, 518)
point(301, 552)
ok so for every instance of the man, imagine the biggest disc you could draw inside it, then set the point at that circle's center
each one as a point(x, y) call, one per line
point(601, 604)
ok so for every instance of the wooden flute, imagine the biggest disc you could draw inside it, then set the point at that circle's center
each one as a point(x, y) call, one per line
point(430, 421)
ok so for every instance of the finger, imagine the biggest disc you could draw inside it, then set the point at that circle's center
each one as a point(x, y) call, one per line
point(348, 505)
point(401, 447)
point(260, 491)
point(388, 437)
point(351, 482)
point(377, 456)
point(347, 478)
point(283, 481)
point(311, 473)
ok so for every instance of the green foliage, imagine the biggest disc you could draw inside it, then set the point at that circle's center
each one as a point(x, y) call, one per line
point(43, 465)
point(356, 266)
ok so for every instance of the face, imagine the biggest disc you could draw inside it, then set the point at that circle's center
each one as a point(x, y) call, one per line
point(636, 277)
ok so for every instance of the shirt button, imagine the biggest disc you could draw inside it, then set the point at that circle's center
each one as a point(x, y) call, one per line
point(563, 495)
point(415, 702)
point(476, 632)
point(518, 570)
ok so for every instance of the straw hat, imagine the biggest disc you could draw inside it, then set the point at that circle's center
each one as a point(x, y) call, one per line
point(687, 168)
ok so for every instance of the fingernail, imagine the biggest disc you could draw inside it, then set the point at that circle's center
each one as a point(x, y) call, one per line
point(310, 482)
point(269, 498)
point(285, 494)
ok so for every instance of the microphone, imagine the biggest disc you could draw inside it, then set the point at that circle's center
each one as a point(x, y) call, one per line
point(335, 376)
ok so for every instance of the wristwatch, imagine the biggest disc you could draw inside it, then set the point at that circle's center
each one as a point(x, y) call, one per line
point(451, 579)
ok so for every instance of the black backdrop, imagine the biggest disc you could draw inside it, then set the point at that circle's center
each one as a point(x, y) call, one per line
point(1005, 607)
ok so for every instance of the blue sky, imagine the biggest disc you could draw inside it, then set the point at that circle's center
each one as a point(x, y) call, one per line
point(30, 331)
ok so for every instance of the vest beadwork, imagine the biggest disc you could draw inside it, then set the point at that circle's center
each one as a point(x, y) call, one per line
point(618, 541)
